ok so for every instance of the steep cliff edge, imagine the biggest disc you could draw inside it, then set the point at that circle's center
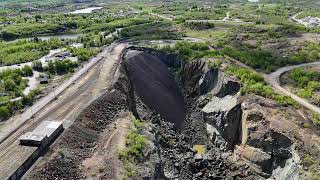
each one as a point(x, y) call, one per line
point(196, 126)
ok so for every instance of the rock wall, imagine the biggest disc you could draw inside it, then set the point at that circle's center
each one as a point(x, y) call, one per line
point(224, 114)
point(155, 86)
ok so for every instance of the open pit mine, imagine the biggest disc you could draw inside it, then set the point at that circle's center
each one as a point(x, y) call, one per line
point(197, 125)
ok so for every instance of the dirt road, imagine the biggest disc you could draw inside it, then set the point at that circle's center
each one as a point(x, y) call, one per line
point(274, 80)
point(162, 16)
point(66, 108)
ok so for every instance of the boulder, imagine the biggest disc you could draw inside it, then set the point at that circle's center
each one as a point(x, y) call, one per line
point(224, 114)
point(257, 157)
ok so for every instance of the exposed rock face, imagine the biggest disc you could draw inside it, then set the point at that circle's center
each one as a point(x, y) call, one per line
point(156, 86)
point(208, 81)
point(199, 79)
point(257, 157)
point(242, 137)
point(229, 87)
point(224, 114)
point(264, 145)
point(171, 60)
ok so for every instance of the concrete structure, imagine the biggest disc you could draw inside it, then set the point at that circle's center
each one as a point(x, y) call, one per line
point(30, 139)
point(43, 135)
point(25, 152)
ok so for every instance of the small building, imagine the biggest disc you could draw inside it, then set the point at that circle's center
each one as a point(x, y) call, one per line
point(31, 139)
point(43, 135)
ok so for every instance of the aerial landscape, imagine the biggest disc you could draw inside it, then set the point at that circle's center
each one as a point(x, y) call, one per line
point(160, 89)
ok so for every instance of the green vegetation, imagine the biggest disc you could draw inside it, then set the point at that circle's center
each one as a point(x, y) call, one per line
point(215, 64)
point(12, 82)
point(188, 51)
point(95, 40)
point(316, 119)
point(256, 58)
point(83, 54)
point(37, 66)
point(27, 29)
point(152, 30)
point(268, 61)
point(25, 50)
point(305, 82)
point(254, 83)
point(61, 67)
point(135, 143)
point(199, 25)
point(12, 85)
point(183, 12)
point(112, 26)
point(311, 163)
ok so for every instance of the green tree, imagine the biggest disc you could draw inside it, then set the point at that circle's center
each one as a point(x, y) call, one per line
point(51, 67)
point(9, 85)
point(4, 113)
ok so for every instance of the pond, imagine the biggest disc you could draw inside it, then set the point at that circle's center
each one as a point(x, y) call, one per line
point(86, 10)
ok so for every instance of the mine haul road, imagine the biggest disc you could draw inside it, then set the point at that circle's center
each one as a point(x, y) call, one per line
point(69, 104)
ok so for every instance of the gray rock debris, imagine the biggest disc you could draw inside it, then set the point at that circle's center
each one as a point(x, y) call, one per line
point(224, 114)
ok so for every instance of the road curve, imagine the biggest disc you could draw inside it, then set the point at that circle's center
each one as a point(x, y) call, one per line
point(274, 80)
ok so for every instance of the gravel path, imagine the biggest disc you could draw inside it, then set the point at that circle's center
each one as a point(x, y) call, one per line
point(274, 80)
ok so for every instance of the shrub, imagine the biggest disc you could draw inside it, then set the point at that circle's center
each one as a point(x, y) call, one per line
point(4, 112)
point(27, 71)
point(316, 118)
point(135, 143)
point(254, 83)
point(37, 65)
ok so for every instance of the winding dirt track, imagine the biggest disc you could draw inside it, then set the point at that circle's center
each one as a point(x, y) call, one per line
point(274, 80)
point(66, 108)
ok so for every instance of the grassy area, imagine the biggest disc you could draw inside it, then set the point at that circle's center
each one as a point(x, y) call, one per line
point(135, 143)
point(304, 82)
point(25, 50)
point(254, 83)
point(150, 31)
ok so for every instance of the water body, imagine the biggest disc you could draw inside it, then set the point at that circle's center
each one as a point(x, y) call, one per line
point(86, 10)
point(48, 37)
point(60, 36)
point(253, 1)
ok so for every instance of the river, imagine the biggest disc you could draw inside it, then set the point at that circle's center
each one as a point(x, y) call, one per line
point(48, 37)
